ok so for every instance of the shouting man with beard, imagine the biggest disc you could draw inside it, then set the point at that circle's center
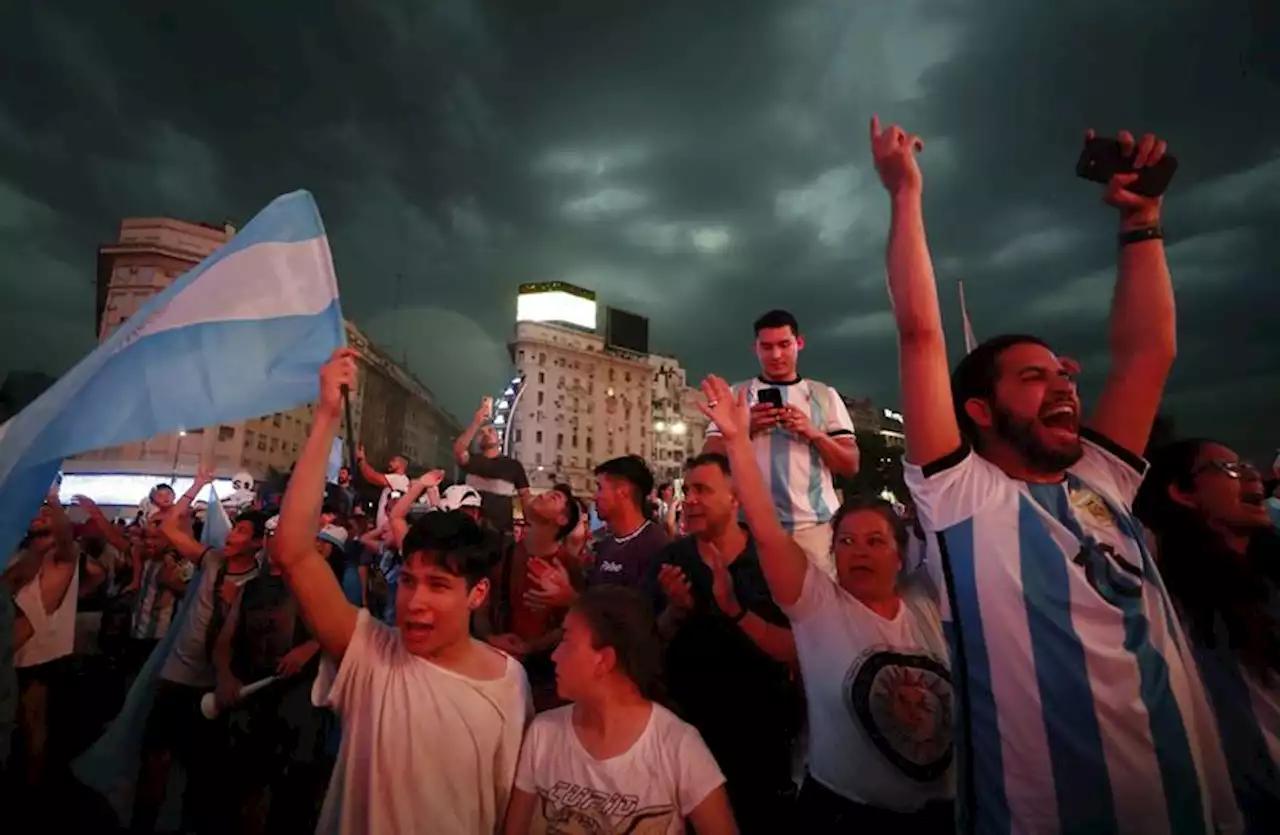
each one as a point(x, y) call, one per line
point(1078, 706)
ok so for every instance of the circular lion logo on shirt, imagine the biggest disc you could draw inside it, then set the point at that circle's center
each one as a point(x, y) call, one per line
point(903, 703)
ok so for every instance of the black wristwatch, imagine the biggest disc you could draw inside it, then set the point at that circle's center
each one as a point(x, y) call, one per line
point(1147, 233)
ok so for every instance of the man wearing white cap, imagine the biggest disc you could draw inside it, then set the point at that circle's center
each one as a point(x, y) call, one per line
point(462, 497)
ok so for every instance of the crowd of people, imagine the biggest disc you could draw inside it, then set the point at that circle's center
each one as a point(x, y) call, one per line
point(1058, 631)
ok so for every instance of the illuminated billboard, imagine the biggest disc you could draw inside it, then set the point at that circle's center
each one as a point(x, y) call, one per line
point(556, 301)
point(127, 489)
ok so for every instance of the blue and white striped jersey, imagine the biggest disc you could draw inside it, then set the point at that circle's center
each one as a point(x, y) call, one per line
point(1079, 709)
point(1246, 704)
point(803, 492)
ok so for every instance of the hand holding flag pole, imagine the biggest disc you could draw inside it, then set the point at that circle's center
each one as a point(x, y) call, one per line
point(351, 431)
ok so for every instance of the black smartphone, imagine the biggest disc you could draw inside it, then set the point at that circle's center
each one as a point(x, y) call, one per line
point(1101, 160)
point(772, 397)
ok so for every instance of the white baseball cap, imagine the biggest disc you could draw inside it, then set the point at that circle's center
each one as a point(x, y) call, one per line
point(334, 535)
point(459, 496)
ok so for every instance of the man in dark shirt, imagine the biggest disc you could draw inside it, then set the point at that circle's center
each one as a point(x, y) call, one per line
point(625, 555)
point(498, 478)
point(730, 654)
point(275, 733)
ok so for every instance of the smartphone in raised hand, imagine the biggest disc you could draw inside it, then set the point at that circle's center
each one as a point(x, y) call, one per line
point(1102, 159)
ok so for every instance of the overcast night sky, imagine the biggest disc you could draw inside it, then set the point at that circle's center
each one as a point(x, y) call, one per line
point(697, 162)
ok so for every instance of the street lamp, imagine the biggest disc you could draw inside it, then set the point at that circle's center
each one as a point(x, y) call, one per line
point(514, 392)
point(678, 428)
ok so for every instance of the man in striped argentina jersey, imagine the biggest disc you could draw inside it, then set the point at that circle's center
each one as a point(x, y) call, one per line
point(802, 435)
point(1078, 706)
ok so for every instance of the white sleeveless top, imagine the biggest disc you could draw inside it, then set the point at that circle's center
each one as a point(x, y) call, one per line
point(55, 633)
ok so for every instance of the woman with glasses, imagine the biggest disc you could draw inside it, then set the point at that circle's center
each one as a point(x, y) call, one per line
point(1220, 559)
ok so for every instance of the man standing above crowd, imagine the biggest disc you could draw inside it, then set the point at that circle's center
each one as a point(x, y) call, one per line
point(1079, 708)
point(802, 435)
point(394, 482)
point(499, 478)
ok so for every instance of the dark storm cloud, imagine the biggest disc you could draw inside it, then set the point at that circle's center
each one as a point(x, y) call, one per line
point(694, 162)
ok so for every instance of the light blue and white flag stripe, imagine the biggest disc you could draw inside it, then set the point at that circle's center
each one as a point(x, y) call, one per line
point(242, 334)
point(336, 460)
point(216, 522)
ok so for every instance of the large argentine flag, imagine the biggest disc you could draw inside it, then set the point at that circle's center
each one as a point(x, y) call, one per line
point(242, 334)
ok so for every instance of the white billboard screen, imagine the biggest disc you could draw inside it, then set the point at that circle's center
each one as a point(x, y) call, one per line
point(128, 489)
point(556, 306)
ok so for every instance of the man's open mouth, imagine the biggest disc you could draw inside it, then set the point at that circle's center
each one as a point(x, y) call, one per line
point(1061, 416)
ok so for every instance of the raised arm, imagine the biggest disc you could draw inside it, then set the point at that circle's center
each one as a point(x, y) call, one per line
point(172, 525)
point(110, 532)
point(783, 561)
point(1143, 328)
point(62, 561)
point(370, 475)
point(462, 444)
point(923, 371)
point(398, 518)
point(324, 608)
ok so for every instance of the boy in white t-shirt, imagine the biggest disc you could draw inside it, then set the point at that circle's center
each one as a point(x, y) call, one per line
point(431, 719)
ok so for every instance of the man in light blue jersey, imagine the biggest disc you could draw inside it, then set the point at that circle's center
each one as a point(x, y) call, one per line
point(1078, 707)
point(802, 436)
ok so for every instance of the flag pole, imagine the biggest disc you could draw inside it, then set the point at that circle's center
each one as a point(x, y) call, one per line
point(351, 431)
point(970, 341)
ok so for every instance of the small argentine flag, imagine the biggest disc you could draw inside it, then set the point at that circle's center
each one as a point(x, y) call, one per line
point(242, 334)
point(216, 522)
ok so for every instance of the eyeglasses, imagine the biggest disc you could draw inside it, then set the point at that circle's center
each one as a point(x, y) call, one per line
point(1231, 469)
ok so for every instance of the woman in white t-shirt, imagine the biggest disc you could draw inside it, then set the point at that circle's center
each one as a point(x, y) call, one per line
point(614, 761)
point(872, 654)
